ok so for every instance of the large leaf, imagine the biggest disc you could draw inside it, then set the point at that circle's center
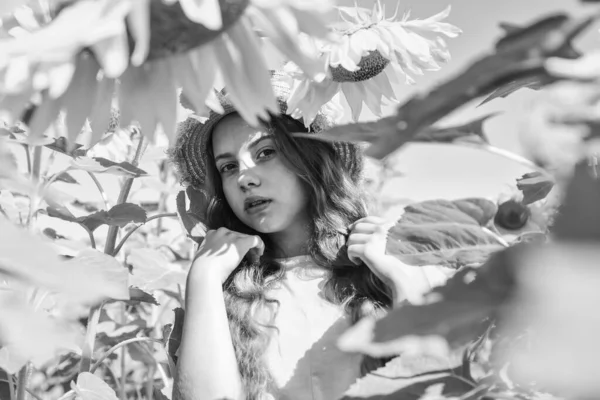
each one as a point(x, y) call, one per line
point(91, 387)
point(119, 215)
point(529, 82)
point(397, 380)
point(535, 186)
point(100, 165)
point(89, 277)
point(470, 130)
point(443, 232)
point(32, 335)
point(452, 315)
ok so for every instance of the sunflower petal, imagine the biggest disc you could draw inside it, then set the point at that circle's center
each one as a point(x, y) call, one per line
point(232, 69)
point(370, 96)
point(354, 99)
point(164, 95)
point(256, 71)
point(384, 86)
point(59, 78)
point(139, 26)
point(44, 116)
point(135, 100)
point(78, 99)
point(281, 28)
point(113, 53)
point(196, 73)
point(101, 112)
point(205, 12)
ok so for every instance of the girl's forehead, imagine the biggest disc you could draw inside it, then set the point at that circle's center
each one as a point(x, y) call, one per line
point(232, 133)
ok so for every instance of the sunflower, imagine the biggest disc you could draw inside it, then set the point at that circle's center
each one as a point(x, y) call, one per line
point(370, 55)
point(82, 62)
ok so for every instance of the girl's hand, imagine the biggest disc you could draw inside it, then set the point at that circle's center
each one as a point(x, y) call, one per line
point(222, 250)
point(367, 243)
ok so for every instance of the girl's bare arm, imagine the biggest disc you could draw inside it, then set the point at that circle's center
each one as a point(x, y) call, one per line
point(207, 367)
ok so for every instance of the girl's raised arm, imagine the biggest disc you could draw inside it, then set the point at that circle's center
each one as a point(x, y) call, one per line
point(207, 368)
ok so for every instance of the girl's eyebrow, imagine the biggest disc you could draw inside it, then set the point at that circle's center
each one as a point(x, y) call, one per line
point(251, 145)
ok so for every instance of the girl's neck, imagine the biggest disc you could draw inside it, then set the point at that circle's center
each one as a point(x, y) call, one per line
point(291, 242)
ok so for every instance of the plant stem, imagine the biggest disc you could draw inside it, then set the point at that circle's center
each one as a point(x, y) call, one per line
point(24, 374)
point(27, 158)
point(11, 387)
point(122, 242)
point(90, 234)
point(90, 339)
point(100, 189)
point(118, 346)
point(111, 237)
point(35, 396)
point(123, 388)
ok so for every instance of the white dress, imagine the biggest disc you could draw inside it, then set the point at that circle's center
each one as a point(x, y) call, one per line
point(303, 357)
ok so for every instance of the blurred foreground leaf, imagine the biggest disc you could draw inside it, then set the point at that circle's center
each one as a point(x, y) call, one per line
point(529, 82)
point(469, 130)
point(32, 335)
point(451, 317)
point(442, 232)
point(89, 277)
point(396, 381)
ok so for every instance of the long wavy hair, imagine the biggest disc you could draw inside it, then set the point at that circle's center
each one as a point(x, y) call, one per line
point(334, 202)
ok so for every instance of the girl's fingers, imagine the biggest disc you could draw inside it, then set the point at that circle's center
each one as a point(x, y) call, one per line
point(367, 220)
point(358, 238)
point(364, 227)
point(355, 253)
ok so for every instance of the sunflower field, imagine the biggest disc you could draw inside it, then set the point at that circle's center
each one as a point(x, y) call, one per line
point(97, 235)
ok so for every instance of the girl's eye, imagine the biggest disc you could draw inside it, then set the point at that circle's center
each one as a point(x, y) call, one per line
point(226, 168)
point(266, 153)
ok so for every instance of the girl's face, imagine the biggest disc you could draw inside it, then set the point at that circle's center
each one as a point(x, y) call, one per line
point(258, 186)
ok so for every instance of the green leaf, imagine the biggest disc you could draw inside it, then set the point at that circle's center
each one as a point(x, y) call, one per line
point(535, 186)
point(174, 338)
point(110, 332)
point(138, 295)
point(66, 177)
point(100, 165)
point(472, 129)
point(119, 215)
point(91, 387)
point(192, 220)
point(151, 270)
point(61, 145)
point(443, 232)
point(396, 380)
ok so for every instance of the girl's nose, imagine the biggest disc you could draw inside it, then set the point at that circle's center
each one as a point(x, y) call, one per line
point(248, 179)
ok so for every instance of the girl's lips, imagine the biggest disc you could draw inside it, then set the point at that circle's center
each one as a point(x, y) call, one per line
point(254, 209)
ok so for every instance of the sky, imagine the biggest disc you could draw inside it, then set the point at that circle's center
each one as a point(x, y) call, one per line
point(432, 171)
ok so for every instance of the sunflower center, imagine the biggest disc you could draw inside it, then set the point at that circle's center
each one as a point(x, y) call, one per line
point(370, 66)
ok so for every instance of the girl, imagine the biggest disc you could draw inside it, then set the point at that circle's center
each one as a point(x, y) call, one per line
point(291, 260)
